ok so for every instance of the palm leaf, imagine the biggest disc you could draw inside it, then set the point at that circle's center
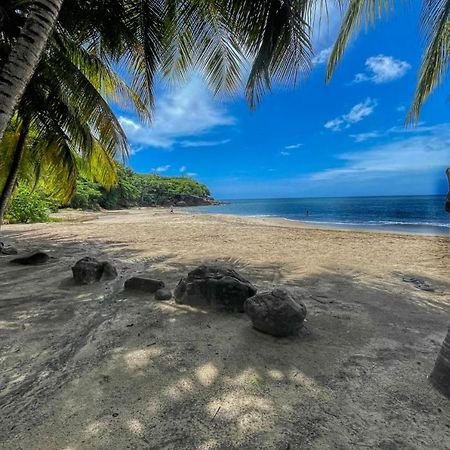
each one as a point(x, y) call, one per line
point(358, 12)
point(435, 64)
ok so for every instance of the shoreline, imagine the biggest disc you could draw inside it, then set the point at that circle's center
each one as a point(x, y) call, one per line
point(296, 223)
point(69, 215)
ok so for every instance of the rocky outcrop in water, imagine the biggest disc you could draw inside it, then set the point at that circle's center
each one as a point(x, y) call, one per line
point(193, 200)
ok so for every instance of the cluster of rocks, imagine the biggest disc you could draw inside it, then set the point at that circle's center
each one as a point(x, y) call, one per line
point(278, 312)
point(90, 270)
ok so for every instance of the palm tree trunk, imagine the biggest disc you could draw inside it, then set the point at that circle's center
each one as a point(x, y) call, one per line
point(10, 182)
point(440, 377)
point(25, 55)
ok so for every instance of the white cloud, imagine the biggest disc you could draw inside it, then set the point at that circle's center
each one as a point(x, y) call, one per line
point(204, 143)
point(421, 128)
point(293, 146)
point(418, 153)
point(360, 111)
point(411, 164)
point(362, 137)
point(183, 169)
point(334, 125)
point(162, 169)
point(191, 174)
point(322, 56)
point(284, 153)
point(355, 115)
point(382, 69)
point(189, 111)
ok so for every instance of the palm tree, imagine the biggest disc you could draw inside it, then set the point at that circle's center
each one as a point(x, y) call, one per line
point(170, 37)
point(440, 377)
point(63, 124)
point(24, 56)
point(436, 25)
point(216, 37)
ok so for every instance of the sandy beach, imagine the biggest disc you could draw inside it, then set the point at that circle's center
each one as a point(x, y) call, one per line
point(93, 367)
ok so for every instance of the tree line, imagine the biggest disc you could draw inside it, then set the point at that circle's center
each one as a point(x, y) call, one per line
point(36, 203)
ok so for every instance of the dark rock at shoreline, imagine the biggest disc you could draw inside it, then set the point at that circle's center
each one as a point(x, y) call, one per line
point(89, 270)
point(144, 284)
point(163, 294)
point(216, 286)
point(278, 312)
point(32, 260)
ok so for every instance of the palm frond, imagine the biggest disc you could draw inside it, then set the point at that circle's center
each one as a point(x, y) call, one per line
point(358, 12)
point(435, 64)
point(277, 37)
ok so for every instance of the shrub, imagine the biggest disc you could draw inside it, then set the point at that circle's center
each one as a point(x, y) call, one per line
point(28, 206)
point(87, 195)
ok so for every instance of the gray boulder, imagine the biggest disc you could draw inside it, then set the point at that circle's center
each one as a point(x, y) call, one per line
point(163, 294)
point(143, 284)
point(8, 250)
point(89, 270)
point(109, 271)
point(278, 312)
point(214, 285)
point(32, 260)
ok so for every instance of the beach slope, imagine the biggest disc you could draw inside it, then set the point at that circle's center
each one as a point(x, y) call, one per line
point(93, 367)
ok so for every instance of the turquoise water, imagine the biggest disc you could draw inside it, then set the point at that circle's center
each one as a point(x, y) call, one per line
point(415, 214)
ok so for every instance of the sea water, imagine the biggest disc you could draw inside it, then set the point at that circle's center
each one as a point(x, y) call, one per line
point(414, 214)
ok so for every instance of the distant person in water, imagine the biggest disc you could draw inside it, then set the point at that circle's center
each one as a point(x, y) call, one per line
point(171, 209)
point(307, 213)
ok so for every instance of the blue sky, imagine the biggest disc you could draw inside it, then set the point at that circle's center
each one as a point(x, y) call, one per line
point(342, 139)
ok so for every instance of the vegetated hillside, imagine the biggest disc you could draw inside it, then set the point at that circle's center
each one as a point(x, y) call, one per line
point(135, 189)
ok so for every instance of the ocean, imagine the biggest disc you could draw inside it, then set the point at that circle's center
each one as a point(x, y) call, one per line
point(413, 214)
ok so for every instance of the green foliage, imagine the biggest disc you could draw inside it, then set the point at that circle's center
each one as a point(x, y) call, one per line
point(28, 206)
point(87, 195)
point(135, 189)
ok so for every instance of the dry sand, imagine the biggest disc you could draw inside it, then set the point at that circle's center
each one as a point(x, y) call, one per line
point(91, 367)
